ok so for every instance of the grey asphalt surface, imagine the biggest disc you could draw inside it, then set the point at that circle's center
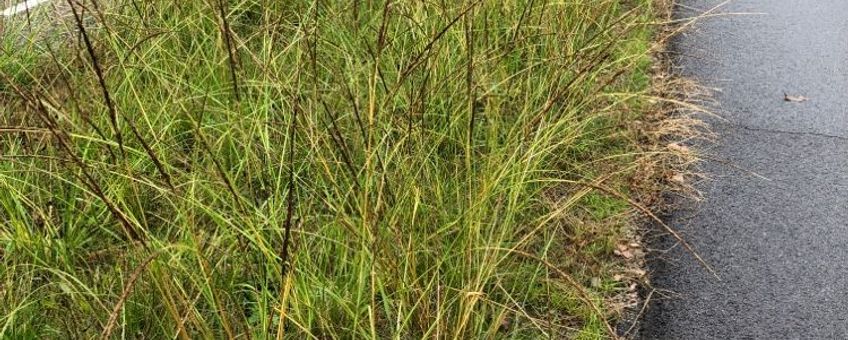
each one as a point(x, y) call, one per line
point(780, 246)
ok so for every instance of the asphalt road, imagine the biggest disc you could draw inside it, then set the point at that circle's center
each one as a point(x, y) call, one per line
point(780, 246)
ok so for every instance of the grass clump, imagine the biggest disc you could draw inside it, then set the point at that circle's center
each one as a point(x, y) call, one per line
point(318, 169)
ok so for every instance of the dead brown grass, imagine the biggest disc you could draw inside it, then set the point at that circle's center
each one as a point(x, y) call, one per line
point(667, 166)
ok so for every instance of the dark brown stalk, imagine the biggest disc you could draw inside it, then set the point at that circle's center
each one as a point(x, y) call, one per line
point(72, 92)
point(225, 30)
point(87, 178)
point(356, 12)
point(290, 199)
point(365, 137)
point(107, 97)
point(524, 14)
point(356, 113)
point(91, 183)
point(98, 12)
point(113, 112)
point(384, 24)
point(139, 13)
point(338, 140)
point(150, 153)
point(380, 74)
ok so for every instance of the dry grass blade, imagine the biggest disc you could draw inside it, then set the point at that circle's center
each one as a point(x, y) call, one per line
point(654, 217)
point(645, 303)
point(128, 288)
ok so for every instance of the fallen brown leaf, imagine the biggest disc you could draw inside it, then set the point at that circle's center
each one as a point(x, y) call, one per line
point(678, 148)
point(627, 254)
point(794, 99)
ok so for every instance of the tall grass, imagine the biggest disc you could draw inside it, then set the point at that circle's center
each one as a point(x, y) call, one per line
point(356, 169)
